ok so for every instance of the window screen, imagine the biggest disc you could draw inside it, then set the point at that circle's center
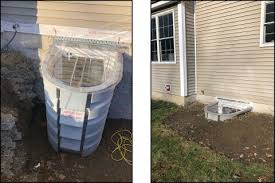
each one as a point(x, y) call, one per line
point(269, 22)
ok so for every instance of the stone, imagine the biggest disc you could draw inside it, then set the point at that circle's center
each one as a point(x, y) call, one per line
point(61, 177)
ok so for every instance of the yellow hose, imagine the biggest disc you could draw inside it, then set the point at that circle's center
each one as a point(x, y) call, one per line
point(123, 141)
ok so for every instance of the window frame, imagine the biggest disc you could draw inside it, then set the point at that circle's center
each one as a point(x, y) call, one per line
point(158, 39)
point(262, 30)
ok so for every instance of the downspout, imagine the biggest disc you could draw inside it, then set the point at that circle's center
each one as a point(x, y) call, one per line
point(182, 48)
point(195, 44)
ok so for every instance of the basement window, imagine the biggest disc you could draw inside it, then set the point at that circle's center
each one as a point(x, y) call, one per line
point(267, 24)
point(162, 38)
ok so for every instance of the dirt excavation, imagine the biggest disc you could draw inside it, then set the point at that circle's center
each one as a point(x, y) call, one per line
point(248, 137)
point(26, 154)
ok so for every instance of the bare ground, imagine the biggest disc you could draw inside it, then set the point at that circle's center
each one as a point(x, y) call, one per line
point(248, 138)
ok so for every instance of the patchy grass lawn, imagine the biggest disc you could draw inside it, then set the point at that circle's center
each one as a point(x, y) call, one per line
point(176, 159)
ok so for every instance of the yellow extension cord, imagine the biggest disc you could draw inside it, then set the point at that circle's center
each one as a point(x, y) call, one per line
point(123, 141)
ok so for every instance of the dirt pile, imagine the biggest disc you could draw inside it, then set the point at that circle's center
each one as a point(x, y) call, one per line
point(19, 76)
point(248, 137)
point(9, 136)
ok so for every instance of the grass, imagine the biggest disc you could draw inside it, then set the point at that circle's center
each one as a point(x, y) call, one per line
point(177, 159)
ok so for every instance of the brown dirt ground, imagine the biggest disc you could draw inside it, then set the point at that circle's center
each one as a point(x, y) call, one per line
point(16, 98)
point(248, 137)
point(97, 167)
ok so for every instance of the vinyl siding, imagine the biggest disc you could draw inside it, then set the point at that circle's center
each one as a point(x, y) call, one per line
point(230, 62)
point(168, 73)
point(190, 47)
point(114, 15)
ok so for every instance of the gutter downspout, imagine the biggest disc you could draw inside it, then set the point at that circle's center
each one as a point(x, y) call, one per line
point(195, 44)
point(182, 48)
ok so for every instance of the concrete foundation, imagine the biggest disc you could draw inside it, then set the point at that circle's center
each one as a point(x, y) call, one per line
point(179, 100)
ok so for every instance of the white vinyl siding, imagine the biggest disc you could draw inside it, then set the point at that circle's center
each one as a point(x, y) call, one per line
point(230, 62)
point(112, 15)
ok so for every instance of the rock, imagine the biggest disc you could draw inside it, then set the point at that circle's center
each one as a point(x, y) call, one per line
point(37, 166)
point(262, 160)
point(260, 179)
point(235, 176)
point(246, 148)
point(241, 156)
point(49, 164)
point(255, 154)
point(268, 155)
point(50, 178)
point(80, 166)
point(61, 177)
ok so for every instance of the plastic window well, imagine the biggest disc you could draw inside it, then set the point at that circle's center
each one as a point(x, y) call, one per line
point(82, 65)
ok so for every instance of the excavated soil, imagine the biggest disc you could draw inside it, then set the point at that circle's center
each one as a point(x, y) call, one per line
point(26, 154)
point(248, 137)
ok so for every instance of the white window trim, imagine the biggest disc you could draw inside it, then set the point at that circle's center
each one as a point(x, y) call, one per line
point(157, 33)
point(262, 43)
point(182, 48)
point(157, 4)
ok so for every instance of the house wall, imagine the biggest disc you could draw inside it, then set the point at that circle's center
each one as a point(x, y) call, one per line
point(230, 62)
point(103, 15)
point(190, 47)
point(170, 73)
point(114, 15)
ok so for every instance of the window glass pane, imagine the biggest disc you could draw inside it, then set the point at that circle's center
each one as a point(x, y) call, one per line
point(269, 7)
point(269, 28)
point(161, 35)
point(170, 31)
point(153, 23)
point(167, 50)
point(165, 20)
point(161, 21)
point(269, 17)
point(154, 53)
point(269, 38)
point(153, 29)
point(166, 25)
point(170, 19)
point(166, 32)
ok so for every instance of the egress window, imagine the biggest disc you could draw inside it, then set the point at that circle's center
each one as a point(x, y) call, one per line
point(162, 38)
point(267, 23)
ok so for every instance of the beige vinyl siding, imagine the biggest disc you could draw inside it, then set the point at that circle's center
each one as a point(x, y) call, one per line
point(230, 62)
point(190, 47)
point(109, 15)
point(168, 73)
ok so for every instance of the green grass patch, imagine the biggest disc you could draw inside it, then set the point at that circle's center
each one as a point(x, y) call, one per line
point(176, 159)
